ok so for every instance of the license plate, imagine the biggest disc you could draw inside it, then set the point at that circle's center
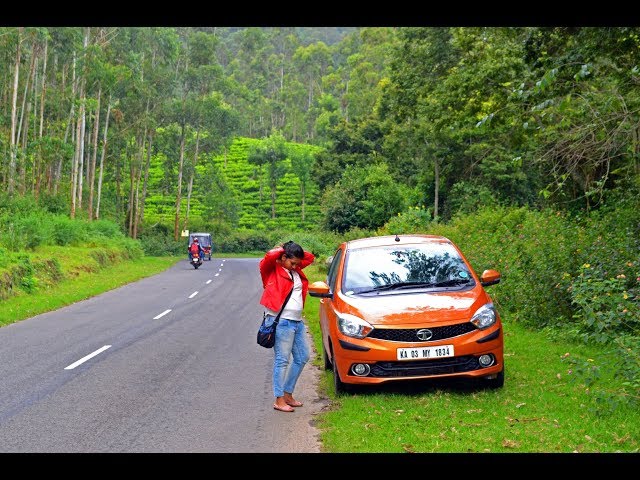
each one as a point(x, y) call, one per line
point(421, 353)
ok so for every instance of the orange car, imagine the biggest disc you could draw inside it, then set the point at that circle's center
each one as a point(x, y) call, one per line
point(407, 307)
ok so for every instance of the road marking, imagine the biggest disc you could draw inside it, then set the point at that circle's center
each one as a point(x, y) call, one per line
point(162, 314)
point(217, 274)
point(193, 294)
point(208, 282)
point(84, 359)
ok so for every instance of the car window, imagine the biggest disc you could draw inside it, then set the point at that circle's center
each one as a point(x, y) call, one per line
point(414, 266)
point(333, 270)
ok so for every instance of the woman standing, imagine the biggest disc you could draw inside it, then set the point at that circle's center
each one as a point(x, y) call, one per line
point(281, 272)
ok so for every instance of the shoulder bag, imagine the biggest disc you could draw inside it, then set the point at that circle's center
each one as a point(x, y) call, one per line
point(267, 334)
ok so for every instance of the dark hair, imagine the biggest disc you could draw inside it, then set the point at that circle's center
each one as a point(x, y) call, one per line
point(292, 249)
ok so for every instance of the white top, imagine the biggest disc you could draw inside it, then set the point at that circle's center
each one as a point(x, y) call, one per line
point(293, 308)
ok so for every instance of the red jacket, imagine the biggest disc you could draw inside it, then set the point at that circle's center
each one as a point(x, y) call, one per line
point(277, 282)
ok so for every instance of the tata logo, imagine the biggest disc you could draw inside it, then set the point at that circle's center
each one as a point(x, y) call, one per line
point(424, 334)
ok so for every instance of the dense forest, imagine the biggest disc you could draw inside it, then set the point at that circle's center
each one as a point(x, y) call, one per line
point(119, 120)
point(522, 144)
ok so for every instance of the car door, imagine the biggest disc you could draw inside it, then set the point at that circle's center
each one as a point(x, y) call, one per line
point(327, 311)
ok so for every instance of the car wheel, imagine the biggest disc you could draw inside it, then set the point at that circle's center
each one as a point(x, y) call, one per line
point(340, 387)
point(496, 382)
point(327, 362)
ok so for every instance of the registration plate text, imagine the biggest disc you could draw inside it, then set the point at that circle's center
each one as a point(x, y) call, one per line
point(420, 353)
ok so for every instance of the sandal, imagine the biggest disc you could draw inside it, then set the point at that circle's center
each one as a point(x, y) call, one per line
point(295, 403)
point(286, 408)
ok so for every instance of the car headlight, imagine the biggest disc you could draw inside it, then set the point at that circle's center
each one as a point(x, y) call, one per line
point(485, 316)
point(353, 326)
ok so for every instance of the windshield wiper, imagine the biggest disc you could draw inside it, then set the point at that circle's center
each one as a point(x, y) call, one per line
point(398, 286)
point(452, 283)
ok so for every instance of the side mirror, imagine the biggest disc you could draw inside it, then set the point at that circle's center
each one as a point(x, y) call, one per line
point(489, 277)
point(320, 290)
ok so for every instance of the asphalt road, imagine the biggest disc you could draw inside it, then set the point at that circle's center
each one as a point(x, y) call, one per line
point(166, 364)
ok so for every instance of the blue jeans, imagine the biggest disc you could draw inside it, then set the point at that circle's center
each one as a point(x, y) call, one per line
point(291, 342)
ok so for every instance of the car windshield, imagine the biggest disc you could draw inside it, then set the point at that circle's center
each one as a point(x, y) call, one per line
point(389, 268)
point(203, 240)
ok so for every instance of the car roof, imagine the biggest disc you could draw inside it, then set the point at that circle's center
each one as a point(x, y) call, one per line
point(384, 240)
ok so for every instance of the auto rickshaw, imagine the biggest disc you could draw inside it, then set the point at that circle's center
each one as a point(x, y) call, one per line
point(204, 239)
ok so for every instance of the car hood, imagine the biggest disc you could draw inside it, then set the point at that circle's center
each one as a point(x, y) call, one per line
point(415, 308)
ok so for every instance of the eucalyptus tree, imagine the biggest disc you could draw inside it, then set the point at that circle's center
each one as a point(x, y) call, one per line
point(213, 121)
point(583, 109)
point(249, 71)
point(450, 93)
point(271, 151)
point(26, 49)
point(301, 164)
point(368, 69)
point(312, 63)
point(60, 107)
point(279, 73)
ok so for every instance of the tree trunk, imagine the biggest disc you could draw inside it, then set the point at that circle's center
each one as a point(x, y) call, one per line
point(176, 223)
point(14, 103)
point(133, 173)
point(58, 170)
point(193, 174)
point(42, 165)
point(146, 180)
point(92, 170)
point(436, 188)
point(23, 123)
point(102, 154)
point(302, 192)
point(74, 168)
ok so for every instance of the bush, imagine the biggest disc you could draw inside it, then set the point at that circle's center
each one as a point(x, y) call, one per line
point(412, 220)
point(532, 250)
point(67, 231)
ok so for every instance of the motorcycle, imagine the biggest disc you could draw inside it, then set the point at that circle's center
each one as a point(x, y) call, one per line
point(196, 261)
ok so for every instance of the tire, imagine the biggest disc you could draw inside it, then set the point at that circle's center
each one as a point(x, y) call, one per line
point(325, 357)
point(497, 382)
point(339, 386)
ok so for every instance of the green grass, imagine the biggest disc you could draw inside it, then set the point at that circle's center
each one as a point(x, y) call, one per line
point(542, 408)
point(83, 280)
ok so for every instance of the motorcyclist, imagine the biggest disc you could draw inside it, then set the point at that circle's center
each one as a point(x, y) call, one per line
point(195, 248)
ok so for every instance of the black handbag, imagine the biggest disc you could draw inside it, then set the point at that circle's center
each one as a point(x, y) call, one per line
point(267, 334)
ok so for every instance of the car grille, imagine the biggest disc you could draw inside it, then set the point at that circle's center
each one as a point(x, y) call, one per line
point(425, 367)
point(409, 334)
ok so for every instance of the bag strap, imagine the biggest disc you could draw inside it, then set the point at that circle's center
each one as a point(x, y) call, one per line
point(275, 322)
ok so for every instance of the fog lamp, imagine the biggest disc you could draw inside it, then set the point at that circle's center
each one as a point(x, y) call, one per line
point(485, 360)
point(361, 369)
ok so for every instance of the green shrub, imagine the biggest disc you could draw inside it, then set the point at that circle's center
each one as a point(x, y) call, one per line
point(412, 220)
point(243, 241)
point(67, 231)
point(532, 250)
point(104, 228)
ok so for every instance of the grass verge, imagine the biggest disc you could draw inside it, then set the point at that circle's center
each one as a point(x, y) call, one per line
point(79, 283)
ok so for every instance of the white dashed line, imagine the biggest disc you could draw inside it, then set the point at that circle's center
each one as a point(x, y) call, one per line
point(84, 359)
point(162, 314)
point(193, 294)
point(217, 274)
point(208, 282)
